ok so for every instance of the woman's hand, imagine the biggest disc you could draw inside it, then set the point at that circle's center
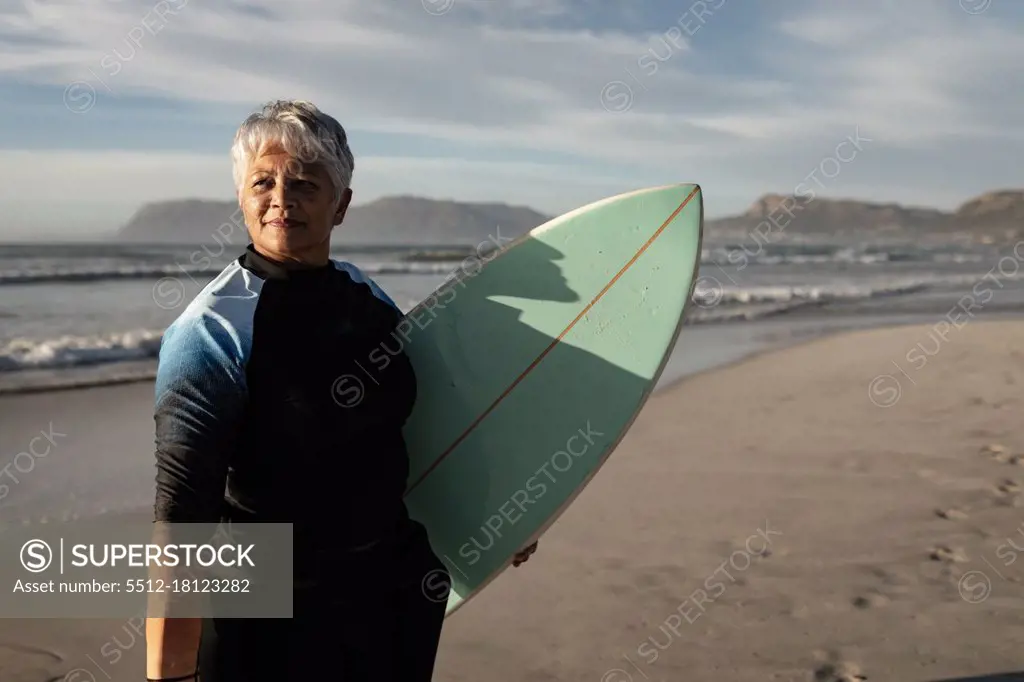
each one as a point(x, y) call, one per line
point(524, 554)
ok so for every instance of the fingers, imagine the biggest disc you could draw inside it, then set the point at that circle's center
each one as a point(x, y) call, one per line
point(523, 554)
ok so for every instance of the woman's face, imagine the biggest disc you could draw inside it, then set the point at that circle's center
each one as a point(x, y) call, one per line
point(289, 207)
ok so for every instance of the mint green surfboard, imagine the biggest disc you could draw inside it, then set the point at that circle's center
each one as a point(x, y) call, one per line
point(531, 368)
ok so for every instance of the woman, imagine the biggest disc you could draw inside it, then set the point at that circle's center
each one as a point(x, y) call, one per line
point(248, 429)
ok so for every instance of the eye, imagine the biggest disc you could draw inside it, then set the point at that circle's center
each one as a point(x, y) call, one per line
point(261, 182)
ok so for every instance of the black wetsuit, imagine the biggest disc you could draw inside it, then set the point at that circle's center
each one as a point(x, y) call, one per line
point(267, 411)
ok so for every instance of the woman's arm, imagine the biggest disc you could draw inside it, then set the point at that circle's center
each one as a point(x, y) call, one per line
point(200, 400)
point(172, 647)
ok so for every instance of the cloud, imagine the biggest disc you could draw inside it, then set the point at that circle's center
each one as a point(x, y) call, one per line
point(694, 96)
point(916, 74)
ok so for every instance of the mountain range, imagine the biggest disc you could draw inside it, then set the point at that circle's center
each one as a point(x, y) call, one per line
point(994, 217)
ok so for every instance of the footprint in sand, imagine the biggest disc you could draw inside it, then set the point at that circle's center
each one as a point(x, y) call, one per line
point(947, 555)
point(871, 600)
point(896, 582)
point(842, 672)
point(996, 451)
point(951, 514)
point(1008, 486)
point(1007, 500)
point(999, 453)
point(837, 670)
point(943, 565)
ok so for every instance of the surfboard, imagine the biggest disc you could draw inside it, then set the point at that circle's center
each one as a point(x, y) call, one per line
point(532, 362)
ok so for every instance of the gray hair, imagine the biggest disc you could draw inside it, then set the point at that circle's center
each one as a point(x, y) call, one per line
point(304, 131)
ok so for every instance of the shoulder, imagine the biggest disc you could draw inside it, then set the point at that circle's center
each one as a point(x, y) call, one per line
point(212, 338)
point(360, 277)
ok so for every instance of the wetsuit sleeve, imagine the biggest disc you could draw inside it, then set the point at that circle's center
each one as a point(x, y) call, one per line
point(360, 277)
point(200, 401)
point(382, 295)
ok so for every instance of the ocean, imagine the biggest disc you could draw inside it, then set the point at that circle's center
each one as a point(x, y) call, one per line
point(93, 313)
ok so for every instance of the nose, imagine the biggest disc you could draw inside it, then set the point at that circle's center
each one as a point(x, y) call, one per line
point(282, 196)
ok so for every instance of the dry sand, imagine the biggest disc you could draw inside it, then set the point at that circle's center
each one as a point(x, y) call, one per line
point(765, 521)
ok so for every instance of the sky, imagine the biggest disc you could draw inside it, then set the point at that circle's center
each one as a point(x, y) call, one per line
point(107, 104)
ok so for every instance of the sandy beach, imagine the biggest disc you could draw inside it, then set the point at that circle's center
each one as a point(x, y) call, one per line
point(847, 509)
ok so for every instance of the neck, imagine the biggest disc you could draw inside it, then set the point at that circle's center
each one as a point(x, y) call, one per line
point(304, 261)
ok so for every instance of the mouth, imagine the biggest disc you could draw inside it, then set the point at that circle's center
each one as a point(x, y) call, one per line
point(284, 223)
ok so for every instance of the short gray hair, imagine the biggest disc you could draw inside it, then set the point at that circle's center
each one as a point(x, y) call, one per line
point(304, 131)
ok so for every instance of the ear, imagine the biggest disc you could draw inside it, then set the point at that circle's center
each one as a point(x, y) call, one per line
point(343, 203)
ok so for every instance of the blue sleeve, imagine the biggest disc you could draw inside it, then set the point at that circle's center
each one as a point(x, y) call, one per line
point(200, 401)
point(360, 277)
